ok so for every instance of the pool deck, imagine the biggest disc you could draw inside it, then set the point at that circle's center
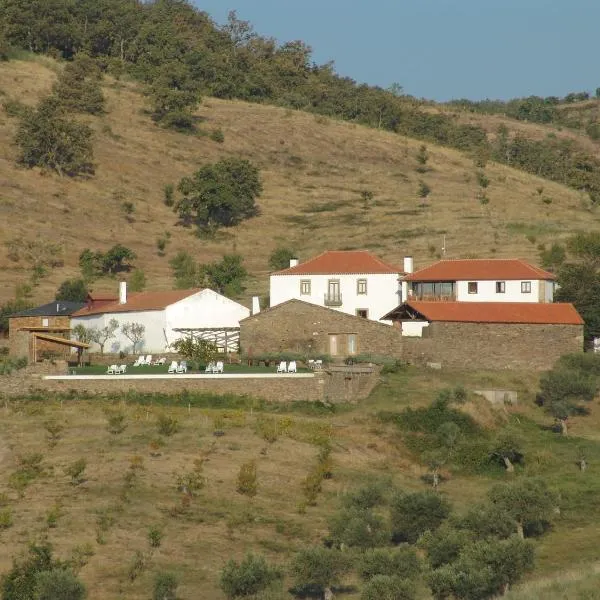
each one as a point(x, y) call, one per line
point(182, 376)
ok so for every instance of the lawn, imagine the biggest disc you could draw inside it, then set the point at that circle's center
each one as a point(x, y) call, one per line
point(163, 369)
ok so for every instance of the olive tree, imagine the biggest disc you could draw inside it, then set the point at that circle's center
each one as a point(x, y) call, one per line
point(134, 332)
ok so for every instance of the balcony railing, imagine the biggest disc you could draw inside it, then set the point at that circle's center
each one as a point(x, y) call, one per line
point(333, 299)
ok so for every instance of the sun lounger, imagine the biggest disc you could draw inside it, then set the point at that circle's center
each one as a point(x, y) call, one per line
point(182, 368)
point(159, 361)
point(292, 367)
point(122, 369)
point(112, 370)
point(282, 367)
point(219, 367)
point(148, 360)
point(173, 367)
point(209, 367)
point(140, 361)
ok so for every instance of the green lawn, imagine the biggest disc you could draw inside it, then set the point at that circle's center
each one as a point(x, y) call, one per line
point(157, 370)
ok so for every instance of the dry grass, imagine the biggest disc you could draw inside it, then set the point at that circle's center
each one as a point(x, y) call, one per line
point(305, 161)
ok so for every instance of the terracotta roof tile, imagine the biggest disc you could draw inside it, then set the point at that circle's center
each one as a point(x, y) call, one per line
point(495, 312)
point(339, 262)
point(138, 301)
point(479, 269)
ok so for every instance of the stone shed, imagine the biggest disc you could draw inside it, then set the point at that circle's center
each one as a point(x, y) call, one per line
point(488, 335)
point(297, 326)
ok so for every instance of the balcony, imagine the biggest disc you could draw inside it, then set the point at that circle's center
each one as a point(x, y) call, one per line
point(333, 299)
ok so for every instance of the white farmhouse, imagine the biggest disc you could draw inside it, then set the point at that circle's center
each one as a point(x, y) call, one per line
point(166, 316)
point(480, 280)
point(355, 282)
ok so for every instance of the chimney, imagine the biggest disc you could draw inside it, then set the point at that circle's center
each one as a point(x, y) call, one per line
point(123, 292)
point(255, 305)
point(408, 264)
point(293, 262)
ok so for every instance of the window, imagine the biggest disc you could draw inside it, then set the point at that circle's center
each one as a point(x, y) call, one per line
point(500, 287)
point(362, 312)
point(351, 343)
point(44, 322)
point(472, 287)
point(361, 286)
point(525, 287)
point(305, 287)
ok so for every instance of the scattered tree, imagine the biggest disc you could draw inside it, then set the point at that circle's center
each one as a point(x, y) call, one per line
point(219, 195)
point(20, 582)
point(102, 335)
point(358, 528)
point(388, 587)
point(134, 332)
point(137, 282)
point(280, 258)
point(78, 86)
point(72, 290)
point(226, 276)
point(422, 158)
point(165, 586)
point(320, 568)
point(248, 577)
point(185, 271)
point(414, 514)
point(59, 584)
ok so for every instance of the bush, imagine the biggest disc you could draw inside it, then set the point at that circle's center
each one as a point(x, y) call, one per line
point(366, 497)
point(20, 582)
point(165, 586)
point(358, 528)
point(75, 471)
point(386, 587)
point(155, 536)
point(167, 425)
point(6, 518)
point(444, 545)
point(250, 576)
point(115, 421)
point(217, 135)
point(401, 562)
point(319, 567)
point(414, 514)
point(247, 483)
point(59, 584)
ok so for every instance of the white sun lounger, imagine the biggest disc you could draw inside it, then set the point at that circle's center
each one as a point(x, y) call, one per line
point(282, 367)
point(173, 367)
point(292, 367)
point(112, 370)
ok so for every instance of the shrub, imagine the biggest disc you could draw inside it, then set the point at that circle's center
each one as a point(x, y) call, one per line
point(252, 575)
point(6, 518)
point(190, 483)
point(54, 430)
point(75, 471)
point(138, 565)
point(155, 536)
point(386, 587)
point(366, 497)
point(247, 483)
point(52, 516)
point(20, 582)
point(444, 545)
point(414, 514)
point(401, 562)
point(167, 425)
point(319, 567)
point(358, 528)
point(165, 586)
point(217, 135)
point(115, 421)
point(59, 584)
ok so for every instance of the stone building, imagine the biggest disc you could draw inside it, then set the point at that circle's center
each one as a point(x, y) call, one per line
point(297, 326)
point(43, 332)
point(487, 335)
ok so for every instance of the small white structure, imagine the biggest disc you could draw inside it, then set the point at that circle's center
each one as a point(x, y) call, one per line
point(355, 282)
point(166, 316)
point(480, 280)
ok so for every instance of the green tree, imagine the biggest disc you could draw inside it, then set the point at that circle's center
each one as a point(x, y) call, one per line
point(72, 290)
point(219, 195)
point(529, 502)
point(21, 581)
point(280, 258)
point(553, 258)
point(319, 567)
point(250, 576)
point(165, 587)
point(226, 276)
point(185, 271)
point(137, 282)
point(414, 514)
point(90, 264)
point(358, 528)
point(117, 259)
point(402, 562)
point(49, 140)
point(444, 545)
point(388, 587)
point(78, 86)
point(199, 351)
point(134, 332)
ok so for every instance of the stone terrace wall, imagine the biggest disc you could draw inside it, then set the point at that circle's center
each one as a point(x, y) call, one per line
point(301, 327)
point(493, 346)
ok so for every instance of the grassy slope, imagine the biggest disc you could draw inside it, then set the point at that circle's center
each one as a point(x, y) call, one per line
point(221, 523)
point(307, 163)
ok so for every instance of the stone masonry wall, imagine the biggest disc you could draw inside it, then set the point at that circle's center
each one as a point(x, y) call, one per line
point(17, 345)
point(301, 327)
point(493, 345)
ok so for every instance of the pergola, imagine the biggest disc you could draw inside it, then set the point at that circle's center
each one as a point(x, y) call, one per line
point(227, 339)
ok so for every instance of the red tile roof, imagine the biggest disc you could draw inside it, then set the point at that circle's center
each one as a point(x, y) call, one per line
point(496, 312)
point(138, 301)
point(479, 269)
point(339, 262)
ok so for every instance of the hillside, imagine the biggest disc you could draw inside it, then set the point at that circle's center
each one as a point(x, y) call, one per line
point(313, 170)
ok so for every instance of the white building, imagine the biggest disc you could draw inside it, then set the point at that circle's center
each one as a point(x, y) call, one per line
point(480, 280)
point(167, 316)
point(355, 282)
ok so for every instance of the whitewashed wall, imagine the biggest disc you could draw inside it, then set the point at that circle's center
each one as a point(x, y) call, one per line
point(414, 328)
point(486, 292)
point(383, 292)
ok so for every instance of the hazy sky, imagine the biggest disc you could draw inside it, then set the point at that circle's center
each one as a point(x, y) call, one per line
point(441, 49)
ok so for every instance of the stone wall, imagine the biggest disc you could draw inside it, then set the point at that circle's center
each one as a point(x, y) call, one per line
point(493, 345)
point(21, 342)
point(297, 326)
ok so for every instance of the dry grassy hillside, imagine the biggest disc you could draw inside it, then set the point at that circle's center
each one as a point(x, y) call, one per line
point(313, 169)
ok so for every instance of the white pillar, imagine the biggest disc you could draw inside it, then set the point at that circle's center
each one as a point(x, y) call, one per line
point(255, 305)
point(123, 292)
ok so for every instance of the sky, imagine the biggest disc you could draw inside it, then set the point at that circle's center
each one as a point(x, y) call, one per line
point(440, 49)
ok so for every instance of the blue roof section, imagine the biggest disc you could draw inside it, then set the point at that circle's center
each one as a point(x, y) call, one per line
point(58, 308)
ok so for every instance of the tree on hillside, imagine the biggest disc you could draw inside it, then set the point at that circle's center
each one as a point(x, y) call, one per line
point(137, 282)
point(20, 582)
point(319, 567)
point(115, 260)
point(78, 86)
point(414, 514)
point(219, 194)
point(529, 503)
point(49, 140)
point(280, 258)
point(226, 276)
point(59, 584)
point(72, 290)
point(185, 271)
